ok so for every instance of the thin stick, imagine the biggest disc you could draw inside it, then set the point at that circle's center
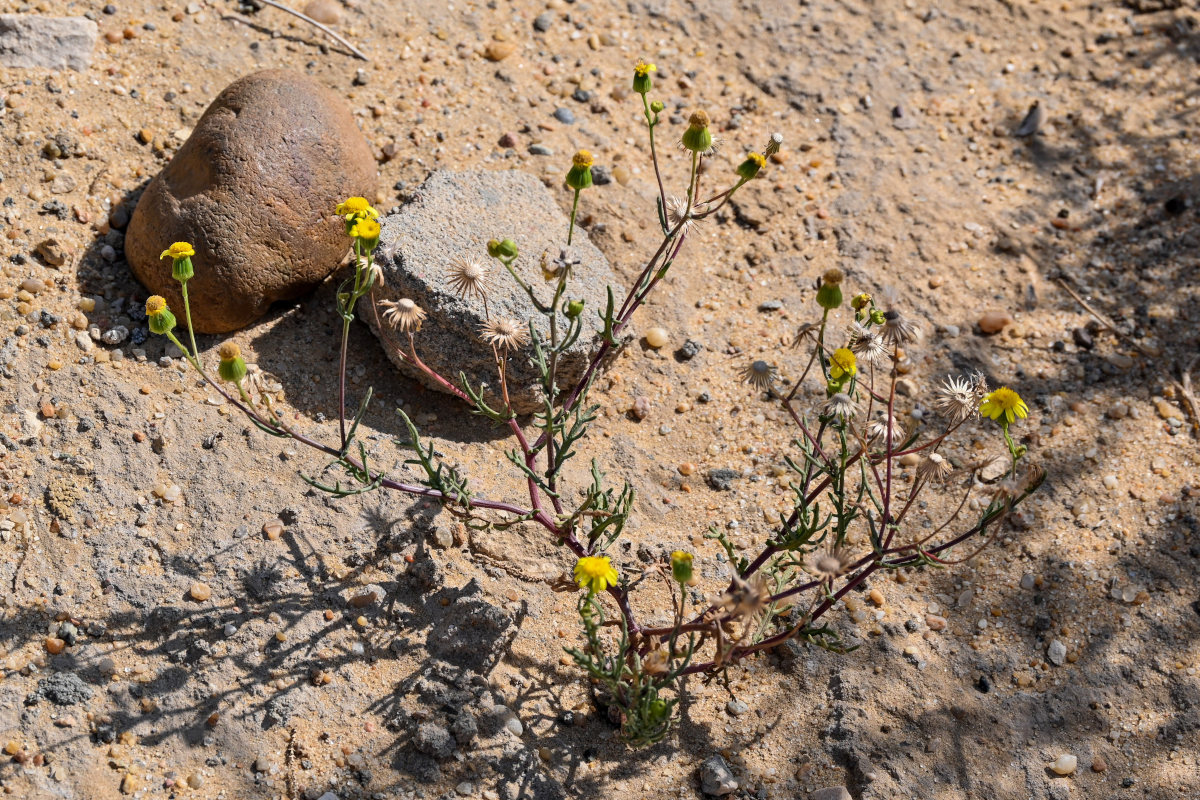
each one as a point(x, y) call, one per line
point(1184, 388)
point(318, 25)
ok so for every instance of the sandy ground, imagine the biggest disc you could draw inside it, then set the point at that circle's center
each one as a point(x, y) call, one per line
point(125, 483)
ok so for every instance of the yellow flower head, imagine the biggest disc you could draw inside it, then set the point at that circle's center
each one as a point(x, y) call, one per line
point(699, 119)
point(365, 228)
point(833, 276)
point(595, 573)
point(1004, 405)
point(641, 68)
point(757, 158)
point(355, 206)
point(155, 305)
point(229, 351)
point(582, 159)
point(842, 363)
point(179, 250)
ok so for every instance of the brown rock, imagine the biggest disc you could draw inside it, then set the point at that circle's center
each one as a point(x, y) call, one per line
point(498, 51)
point(994, 321)
point(254, 190)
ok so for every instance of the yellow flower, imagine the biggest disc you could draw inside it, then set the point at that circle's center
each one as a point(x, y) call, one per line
point(155, 305)
point(179, 250)
point(641, 68)
point(842, 363)
point(356, 207)
point(229, 351)
point(365, 228)
point(757, 158)
point(1006, 403)
point(582, 159)
point(595, 573)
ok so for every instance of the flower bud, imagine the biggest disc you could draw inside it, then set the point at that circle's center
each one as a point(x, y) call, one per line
point(574, 309)
point(232, 368)
point(877, 317)
point(860, 301)
point(657, 106)
point(506, 249)
point(697, 138)
point(580, 175)
point(681, 566)
point(641, 77)
point(750, 167)
point(161, 320)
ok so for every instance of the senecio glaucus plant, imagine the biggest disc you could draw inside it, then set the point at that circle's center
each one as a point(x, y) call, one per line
point(850, 501)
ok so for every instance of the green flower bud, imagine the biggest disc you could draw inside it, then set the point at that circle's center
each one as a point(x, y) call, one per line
point(829, 296)
point(161, 320)
point(641, 77)
point(506, 249)
point(232, 368)
point(681, 566)
point(574, 309)
point(580, 176)
point(697, 137)
point(877, 317)
point(181, 269)
point(657, 106)
point(750, 167)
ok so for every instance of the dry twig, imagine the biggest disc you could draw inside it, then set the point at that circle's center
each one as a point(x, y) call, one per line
point(310, 21)
point(1143, 349)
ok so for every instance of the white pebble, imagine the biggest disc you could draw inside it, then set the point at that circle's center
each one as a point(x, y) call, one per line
point(1065, 765)
point(1110, 482)
point(657, 337)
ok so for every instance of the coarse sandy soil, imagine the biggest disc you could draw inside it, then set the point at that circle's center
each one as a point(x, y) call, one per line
point(125, 482)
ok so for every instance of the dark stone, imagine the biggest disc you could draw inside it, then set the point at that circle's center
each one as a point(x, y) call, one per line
point(564, 115)
point(62, 689)
point(1083, 339)
point(722, 479)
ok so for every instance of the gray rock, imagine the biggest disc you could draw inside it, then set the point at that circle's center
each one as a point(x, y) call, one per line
point(32, 41)
point(540, 150)
point(564, 115)
point(254, 189)
point(716, 778)
point(736, 707)
point(62, 689)
point(543, 22)
point(434, 740)
point(453, 216)
point(831, 793)
point(722, 479)
point(1057, 653)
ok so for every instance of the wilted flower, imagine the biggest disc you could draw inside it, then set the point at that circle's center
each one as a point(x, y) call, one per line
point(897, 328)
point(867, 343)
point(760, 375)
point(957, 399)
point(879, 428)
point(840, 405)
point(403, 314)
point(933, 468)
point(580, 175)
point(468, 277)
point(681, 566)
point(829, 565)
point(680, 216)
point(506, 334)
point(698, 138)
point(232, 368)
point(161, 319)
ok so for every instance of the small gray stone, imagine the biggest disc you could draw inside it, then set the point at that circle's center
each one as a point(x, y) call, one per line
point(770, 305)
point(716, 778)
point(736, 707)
point(601, 175)
point(722, 479)
point(564, 115)
point(540, 150)
point(434, 740)
point(115, 335)
point(831, 793)
point(1057, 653)
point(544, 21)
point(995, 469)
point(452, 217)
point(33, 41)
point(689, 350)
point(62, 689)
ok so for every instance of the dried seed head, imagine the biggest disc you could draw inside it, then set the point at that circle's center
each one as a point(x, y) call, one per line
point(840, 405)
point(760, 375)
point(934, 469)
point(957, 399)
point(403, 314)
point(830, 564)
point(897, 328)
point(505, 334)
point(469, 277)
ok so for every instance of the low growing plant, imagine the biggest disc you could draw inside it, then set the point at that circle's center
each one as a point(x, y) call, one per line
point(851, 502)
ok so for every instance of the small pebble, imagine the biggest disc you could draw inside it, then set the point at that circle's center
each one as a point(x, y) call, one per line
point(273, 529)
point(935, 622)
point(1057, 653)
point(994, 321)
point(1065, 764)
point(54, 645)
point(200, 592)
point(657, 337)
point(1098, 764)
